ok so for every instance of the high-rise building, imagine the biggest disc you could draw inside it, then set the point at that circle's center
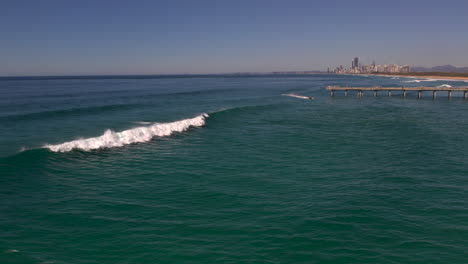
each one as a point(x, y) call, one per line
point(356, 63)
point(357, 68)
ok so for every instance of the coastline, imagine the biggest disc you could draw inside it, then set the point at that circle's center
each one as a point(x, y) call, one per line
point(436, 77)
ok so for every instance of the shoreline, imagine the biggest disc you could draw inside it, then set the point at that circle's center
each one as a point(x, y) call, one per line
point(435, 77)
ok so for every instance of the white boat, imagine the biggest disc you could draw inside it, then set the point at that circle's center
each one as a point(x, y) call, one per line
point(298, 96)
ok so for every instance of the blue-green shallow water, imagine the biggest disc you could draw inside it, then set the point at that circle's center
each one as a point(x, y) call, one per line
point(267, 178)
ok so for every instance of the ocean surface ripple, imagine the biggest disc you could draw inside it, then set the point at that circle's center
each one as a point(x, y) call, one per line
point(264, 179)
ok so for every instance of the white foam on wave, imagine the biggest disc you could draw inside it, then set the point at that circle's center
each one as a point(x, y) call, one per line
point(111, 139)
point(421, 80)
point(444, 86)
point(298, 96)
point(144, 122)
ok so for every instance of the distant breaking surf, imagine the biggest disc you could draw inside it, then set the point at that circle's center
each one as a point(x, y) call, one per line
point(422, 80)
point(298, 96)
point(445, 86)
point(111, 139)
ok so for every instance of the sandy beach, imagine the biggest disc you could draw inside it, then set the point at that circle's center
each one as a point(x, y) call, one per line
point(435, 77)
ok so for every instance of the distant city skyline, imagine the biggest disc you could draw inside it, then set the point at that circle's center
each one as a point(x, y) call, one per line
point(361, 68)
point(199, 37)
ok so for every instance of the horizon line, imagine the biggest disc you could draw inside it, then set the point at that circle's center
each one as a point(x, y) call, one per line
point(161, 74)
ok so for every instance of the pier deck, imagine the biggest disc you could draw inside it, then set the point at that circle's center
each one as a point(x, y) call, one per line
point(389, 90)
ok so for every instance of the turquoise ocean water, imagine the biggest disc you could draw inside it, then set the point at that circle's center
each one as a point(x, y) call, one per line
point(223, 169)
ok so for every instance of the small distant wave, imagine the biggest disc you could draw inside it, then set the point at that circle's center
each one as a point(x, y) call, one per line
point(298, 96)
point(111, 139)
point(65, 112)
point(412, 81)
point(246, 109)
point(23, 148)
point(144, 122)
point(11, 251)
point(421, 80)
point(444, 86)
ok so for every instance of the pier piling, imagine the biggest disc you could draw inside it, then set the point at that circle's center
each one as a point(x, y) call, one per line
point(434, 94)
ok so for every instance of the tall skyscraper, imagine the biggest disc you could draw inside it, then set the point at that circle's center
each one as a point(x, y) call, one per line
point(356, 63)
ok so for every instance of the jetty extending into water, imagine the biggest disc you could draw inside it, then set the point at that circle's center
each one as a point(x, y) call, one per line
point(404, 90)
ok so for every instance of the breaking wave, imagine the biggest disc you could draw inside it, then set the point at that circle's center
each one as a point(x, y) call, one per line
point(143, 122)
point(112, 139)
point(445, 86)
point(298, 96)
point(412, 81)
point(422, 80)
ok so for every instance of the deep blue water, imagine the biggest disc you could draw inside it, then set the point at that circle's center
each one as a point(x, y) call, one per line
point(224, 169)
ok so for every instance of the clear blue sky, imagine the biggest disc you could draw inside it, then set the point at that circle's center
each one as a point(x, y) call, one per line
point(68, 37)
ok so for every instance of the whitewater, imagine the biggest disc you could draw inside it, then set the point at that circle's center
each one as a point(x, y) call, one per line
point(111, 139)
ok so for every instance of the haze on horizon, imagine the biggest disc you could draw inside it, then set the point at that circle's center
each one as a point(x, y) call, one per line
point(175, 37)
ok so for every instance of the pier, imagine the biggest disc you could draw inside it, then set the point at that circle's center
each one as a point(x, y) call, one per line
point(404, 90)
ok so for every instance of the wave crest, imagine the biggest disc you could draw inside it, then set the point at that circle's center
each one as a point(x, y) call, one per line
point(112, 139)
point(422, 80)
point(444, 86)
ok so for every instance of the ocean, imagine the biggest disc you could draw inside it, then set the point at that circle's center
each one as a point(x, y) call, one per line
point(224, 169)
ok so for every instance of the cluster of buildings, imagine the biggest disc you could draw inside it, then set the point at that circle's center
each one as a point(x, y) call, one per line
point(357, 68)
